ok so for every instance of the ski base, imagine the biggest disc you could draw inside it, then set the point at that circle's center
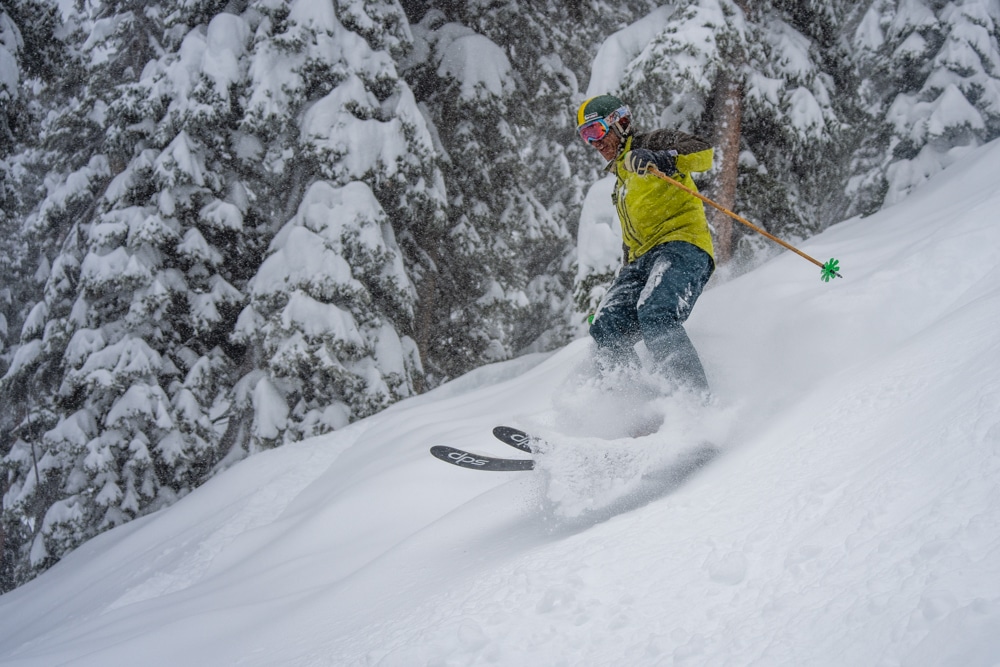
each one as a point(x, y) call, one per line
point(464, 459)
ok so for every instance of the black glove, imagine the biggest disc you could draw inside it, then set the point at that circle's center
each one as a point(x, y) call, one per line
point(641, 159)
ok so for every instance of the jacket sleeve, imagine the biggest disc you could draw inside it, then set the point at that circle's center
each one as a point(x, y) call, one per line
point(693, 153)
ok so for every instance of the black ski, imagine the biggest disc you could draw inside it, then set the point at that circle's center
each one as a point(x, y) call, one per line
point(514, 437)
point(465, 459)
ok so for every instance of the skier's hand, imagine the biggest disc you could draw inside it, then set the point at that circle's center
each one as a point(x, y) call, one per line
point(641, 159)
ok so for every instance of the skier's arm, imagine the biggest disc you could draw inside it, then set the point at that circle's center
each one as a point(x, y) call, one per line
point(692, 162)
point(693, 152)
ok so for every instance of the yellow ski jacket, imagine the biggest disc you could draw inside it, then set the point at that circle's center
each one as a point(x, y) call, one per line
point(652, 211)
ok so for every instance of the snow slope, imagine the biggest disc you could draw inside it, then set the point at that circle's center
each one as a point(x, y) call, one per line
point(852, 516)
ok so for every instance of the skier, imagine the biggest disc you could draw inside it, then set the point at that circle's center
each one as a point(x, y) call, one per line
point(668, 254)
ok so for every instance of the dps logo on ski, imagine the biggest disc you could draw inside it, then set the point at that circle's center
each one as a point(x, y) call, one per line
point(472, 461)
point(519, 437)
point(460, 457)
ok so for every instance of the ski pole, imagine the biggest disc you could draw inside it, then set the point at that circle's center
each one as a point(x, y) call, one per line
point(829, 269)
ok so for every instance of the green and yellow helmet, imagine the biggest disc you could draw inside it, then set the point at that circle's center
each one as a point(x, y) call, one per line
point(597, 115)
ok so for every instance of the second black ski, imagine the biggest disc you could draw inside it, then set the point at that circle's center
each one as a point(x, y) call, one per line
point(464, 459)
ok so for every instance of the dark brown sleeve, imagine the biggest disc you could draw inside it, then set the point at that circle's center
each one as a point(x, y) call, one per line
point(661, 140)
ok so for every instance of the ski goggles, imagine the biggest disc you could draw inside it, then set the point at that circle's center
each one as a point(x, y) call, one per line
point(598, 128)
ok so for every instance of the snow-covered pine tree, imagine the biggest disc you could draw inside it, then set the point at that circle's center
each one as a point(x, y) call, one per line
point(795, 136)
point(30, 48)
point(932, 82)
point(123, 356)
point(47, 75)
point(11, 44)
point(535, 37)
point(202, 128)
point(465, 83)
point(496, 90)
point(330, 321)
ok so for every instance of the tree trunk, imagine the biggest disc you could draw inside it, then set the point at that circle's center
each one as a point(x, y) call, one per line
point(728, 115)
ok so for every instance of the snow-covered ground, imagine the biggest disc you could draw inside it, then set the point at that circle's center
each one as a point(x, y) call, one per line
point(851, 517)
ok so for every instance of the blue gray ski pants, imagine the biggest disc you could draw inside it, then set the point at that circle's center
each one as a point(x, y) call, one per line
point(650, 300)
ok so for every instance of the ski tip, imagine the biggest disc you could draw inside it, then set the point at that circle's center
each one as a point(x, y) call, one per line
point(514, 437)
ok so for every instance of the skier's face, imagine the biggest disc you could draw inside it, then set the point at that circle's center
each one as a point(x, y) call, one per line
point(608, 145)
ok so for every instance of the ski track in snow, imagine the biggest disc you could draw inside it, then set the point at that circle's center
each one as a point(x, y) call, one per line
point(850, 517)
